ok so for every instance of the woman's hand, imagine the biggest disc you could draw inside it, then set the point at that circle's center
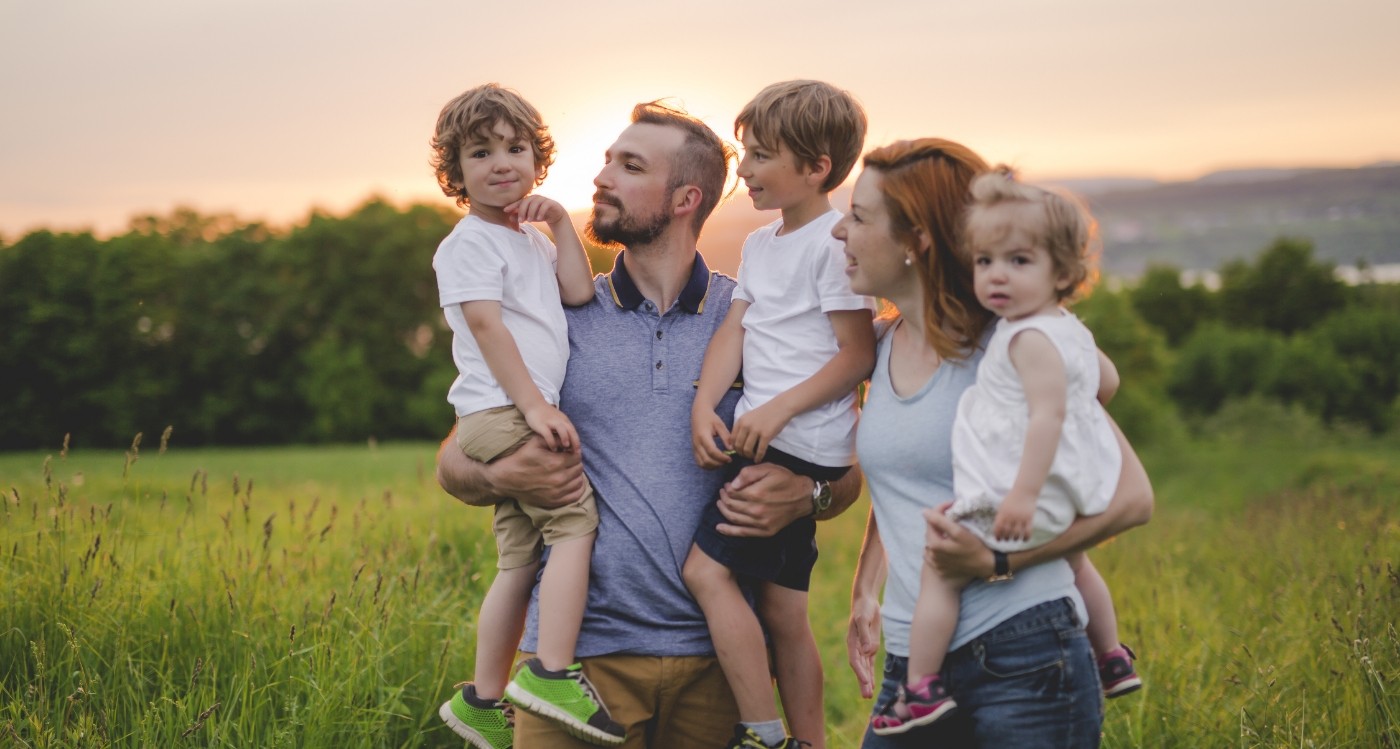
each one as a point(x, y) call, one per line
point(862, 641)
point(953, 550)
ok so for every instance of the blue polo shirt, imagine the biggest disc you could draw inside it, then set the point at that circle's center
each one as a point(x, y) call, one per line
point(628, 390)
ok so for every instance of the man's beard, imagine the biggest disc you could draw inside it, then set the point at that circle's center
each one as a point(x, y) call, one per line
point(626, 229)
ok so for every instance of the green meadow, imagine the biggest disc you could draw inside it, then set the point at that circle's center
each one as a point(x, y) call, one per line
point(325, 597)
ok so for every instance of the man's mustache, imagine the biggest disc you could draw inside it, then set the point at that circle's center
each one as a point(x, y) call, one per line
point(603, 197)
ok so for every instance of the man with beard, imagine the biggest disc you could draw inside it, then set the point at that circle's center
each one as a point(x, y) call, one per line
point(635, 355)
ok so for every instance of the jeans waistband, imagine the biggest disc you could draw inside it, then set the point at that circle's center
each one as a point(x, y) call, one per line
point(1057, 614)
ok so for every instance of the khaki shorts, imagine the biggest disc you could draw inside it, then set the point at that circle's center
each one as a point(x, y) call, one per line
point(521, 531)
point(664, 702)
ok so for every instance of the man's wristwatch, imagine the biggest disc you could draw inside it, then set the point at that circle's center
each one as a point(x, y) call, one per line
point(1001, 568)
point(821, 497)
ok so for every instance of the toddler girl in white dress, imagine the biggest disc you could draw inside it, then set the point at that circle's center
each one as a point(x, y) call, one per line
point(1032, 444)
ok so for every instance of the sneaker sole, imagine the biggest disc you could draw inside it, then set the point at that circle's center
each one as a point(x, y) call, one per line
point(1126, 686)
point(462, 729)
point(913, 723)
point(541, 708)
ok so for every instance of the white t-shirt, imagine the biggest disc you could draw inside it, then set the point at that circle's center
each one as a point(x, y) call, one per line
point(791, 282)
point(481, 261)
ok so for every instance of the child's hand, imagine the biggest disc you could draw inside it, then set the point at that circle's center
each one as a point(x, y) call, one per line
point(556, 429)
point(705, 427)
point(532, 208)
point(755, 429)
point(1013, 522)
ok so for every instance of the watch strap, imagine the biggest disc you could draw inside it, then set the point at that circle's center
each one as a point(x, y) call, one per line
point(1001, 567)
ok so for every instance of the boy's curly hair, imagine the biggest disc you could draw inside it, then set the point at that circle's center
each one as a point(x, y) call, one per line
point(471, 115)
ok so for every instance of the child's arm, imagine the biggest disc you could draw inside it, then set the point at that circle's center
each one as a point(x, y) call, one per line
point(723, 359)
point(572, 268)
point(503, 359)
point(957, 552)
point(852, 364)
point(1042, 374)
point(863, 632)
point(1108, 379)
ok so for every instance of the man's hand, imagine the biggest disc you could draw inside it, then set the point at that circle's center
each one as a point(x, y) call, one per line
point(764, 499)
point(532, 475)
point(705, 427)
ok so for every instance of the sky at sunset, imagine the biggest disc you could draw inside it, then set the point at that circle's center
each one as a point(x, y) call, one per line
point(266, 109)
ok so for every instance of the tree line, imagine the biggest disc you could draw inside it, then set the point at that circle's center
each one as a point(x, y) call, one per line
point(236, 333)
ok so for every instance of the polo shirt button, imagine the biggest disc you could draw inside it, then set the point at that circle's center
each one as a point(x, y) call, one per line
point(658, 365)
point(658, 334)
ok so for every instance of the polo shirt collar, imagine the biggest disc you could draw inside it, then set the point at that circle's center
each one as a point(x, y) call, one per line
point(626, 295)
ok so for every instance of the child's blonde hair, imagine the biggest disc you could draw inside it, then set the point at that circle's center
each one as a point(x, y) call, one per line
point(812, 119)
point(1055, 220)
point(471, 115)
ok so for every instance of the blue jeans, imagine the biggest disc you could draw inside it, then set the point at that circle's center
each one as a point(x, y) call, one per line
point(1029, 682)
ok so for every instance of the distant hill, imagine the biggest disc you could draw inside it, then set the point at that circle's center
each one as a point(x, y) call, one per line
point(1350, 214)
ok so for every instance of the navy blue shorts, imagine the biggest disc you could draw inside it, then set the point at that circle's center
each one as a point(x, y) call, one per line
point(784, 559)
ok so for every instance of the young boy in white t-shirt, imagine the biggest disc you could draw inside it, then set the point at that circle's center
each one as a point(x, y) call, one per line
point(500, 282)
point(804, 342)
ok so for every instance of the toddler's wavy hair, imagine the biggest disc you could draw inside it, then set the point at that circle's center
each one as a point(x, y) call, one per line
point(1050, 218)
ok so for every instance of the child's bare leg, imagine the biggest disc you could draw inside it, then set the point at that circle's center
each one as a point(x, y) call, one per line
point(935, 619)
point(736, 634)
point(563, 593)
point(498, 627)
point(1103, 621)
point(798, 662)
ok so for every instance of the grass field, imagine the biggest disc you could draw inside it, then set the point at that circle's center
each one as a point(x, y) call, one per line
point(324, 597)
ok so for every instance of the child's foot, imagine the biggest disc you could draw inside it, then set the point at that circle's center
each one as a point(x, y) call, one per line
point(485, 724)
point(745, 738)
point(1116, 672)
point(915, 706)
point(565, 698)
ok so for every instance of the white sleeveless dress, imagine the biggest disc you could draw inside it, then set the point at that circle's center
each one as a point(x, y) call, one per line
point(989, 434)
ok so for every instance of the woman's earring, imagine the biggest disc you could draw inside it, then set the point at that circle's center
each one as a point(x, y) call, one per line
point(908, 260)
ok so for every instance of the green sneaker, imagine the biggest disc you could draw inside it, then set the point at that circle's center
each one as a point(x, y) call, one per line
point(565, 698)
point(745, 738)
point(485, 724)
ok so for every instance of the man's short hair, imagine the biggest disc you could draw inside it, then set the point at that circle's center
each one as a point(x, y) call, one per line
point(703, 159)
point(812, 119)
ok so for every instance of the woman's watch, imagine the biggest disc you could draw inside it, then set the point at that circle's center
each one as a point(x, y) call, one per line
point(1001, 568)
point(821, 496)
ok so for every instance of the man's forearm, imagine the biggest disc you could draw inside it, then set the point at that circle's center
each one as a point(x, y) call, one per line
point(844, 493)
point(461, 476)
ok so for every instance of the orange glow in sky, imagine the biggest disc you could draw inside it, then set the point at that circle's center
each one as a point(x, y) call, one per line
point(266, 109)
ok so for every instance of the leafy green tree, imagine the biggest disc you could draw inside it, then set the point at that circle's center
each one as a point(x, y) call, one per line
point(1312, 376)
point(1366, 344)
point(1141, 407)
point(1176, 310)
point(1217, 363)
point(1283, 290)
